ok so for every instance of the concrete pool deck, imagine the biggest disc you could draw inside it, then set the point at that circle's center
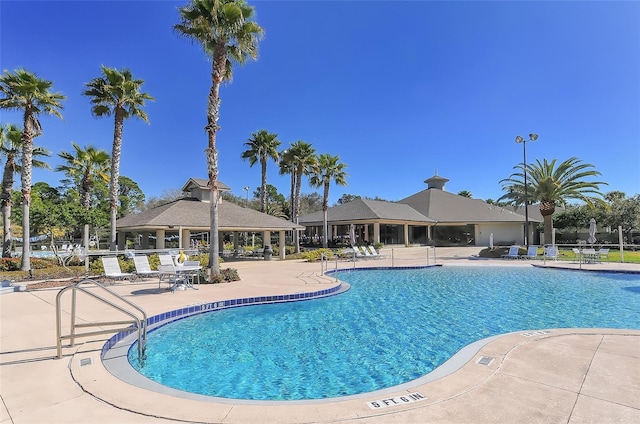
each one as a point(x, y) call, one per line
point(557, 375)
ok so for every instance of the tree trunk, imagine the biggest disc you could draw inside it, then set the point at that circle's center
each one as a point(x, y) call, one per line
point(115, 174)
point(5, 203)
point(546, 210)
point(263, 184)
point(27, 160)
point(325, 209)
point(213, 114)
point(292, 211)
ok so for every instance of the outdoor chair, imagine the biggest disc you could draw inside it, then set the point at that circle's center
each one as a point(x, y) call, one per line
point(589, 255)
point(532, 252)
point(365, 252)
point(173, 278)
point(374, 252)
point(513, 253)
point(577, 254)
point(551, 252)
point(112, 269)
point(165, 259)
point(603, 253)
point(142, 266)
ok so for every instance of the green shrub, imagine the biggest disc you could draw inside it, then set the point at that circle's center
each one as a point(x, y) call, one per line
point(226, 275)
point(316, 254)
point(13, 264)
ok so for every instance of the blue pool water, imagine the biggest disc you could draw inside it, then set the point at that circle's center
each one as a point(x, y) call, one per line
point(391, 327)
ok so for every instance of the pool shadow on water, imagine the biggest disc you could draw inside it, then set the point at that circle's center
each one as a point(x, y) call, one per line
point(634, 289)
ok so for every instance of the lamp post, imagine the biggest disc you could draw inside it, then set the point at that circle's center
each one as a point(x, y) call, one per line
point(246, 205)
point(519, 139)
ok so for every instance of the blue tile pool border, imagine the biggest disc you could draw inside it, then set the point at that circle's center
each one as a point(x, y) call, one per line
point(164, 318)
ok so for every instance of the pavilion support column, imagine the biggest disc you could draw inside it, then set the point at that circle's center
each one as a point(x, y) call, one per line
point(266, 239)
point(122, 238)
point(160, 239)
point(282, 244)
point(236, 252)
point(145, 239)
point(365, 234)
point(406, 234)
point(376, 232)
point(186, 238)
point(428, 233)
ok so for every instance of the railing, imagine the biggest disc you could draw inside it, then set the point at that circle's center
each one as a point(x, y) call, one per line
point(137, 322)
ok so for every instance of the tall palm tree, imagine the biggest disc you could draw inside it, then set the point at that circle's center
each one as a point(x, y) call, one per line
point(85, 167)
point(262, 146)
point(299, 160)
point(227, 33)
point(552, 186)
point(24, 91)
point(116, 93)
point(11, 148)
point(327, 169)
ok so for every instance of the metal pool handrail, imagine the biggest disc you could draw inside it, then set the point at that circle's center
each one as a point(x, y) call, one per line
point(135, 323)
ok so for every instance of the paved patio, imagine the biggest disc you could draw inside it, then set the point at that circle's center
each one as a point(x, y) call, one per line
point(558, 375)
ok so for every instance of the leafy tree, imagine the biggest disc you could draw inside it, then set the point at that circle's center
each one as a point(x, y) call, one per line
point(346, 198)
point(11, 148)
point(24, 91)
point(131, 197)
point(552, 186)
point(228, 34)
point(167, 196)
point(119, 94)
point(310, 202)
point(328, 169)
point(465, 193)
point(262, 146)
point(622, 212)
point(298, 160)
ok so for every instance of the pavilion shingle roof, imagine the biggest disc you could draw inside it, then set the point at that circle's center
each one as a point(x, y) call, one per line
point(192, 213)
point(448, 207)
point(364, 209)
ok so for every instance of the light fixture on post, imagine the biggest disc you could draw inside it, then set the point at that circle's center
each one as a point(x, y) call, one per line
point(246, 205)
point(519, 139)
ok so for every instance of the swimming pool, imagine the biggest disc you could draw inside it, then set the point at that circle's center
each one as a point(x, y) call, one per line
point(392, 327)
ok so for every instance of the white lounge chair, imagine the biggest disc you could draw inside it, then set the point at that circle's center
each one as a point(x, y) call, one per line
point(112, 269)
point(165, 259)
point(374, 252)
point(603, 253)
point(551, 252)
point(513, 253)
point(143, 269)
point(365, 252)
point(532, 252)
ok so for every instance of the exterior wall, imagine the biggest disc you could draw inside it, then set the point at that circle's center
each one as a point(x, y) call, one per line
point(502, 233)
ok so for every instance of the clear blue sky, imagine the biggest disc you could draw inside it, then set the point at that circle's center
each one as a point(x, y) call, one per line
point(397, 89)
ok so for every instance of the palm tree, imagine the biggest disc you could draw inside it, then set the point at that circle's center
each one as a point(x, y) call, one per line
point(261, 146)
point(551, 186)
point(327, 169)
point(226, 31)
point(298, 160)
point(24, 91)
point(85, 167)
point(11, 148)
point(116, 93)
